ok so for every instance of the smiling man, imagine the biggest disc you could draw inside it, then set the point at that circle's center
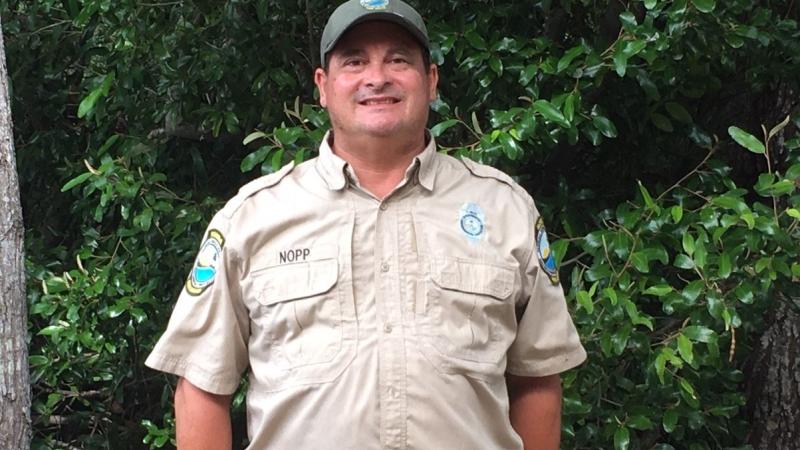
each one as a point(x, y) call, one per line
point(382, 295)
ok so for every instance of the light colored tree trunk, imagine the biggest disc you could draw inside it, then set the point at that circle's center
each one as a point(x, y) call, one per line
point(15, 398)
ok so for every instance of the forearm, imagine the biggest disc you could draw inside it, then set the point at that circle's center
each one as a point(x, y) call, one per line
point(202, 419)
point(536, 411)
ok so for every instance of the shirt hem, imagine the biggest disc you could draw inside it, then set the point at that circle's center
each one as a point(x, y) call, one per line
point(552, 366)
point(214, 383)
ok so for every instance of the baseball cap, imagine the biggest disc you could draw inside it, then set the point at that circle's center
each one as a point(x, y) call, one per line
point(354, 12)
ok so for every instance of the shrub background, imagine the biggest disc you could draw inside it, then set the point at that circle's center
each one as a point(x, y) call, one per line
point(636, 125)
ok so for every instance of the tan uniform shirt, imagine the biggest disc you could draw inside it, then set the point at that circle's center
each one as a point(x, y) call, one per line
point(371, 324)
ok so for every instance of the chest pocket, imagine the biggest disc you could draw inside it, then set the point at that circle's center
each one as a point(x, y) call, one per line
point(306, 319)
point(466, 316)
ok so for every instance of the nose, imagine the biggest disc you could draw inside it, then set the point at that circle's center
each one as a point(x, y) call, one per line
point(376, 76)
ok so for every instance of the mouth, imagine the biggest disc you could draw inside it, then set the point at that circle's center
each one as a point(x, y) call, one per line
point(378, 101)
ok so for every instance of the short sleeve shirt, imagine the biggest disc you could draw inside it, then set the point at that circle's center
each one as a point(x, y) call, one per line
point(373, 324)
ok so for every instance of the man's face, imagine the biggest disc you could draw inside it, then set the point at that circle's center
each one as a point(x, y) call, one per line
point(377, 84)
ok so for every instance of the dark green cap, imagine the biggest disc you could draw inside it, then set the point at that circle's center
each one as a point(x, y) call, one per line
point(354, 12)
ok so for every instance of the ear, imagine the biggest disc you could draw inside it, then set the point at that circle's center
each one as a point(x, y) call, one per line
point(320, 78)
point(433, 82)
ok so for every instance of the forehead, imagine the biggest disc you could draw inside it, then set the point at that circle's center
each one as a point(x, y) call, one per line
point(375, 33)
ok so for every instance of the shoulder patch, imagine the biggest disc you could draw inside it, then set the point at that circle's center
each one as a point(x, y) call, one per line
point(254, 186)
point(483, 171)
point(205, 264)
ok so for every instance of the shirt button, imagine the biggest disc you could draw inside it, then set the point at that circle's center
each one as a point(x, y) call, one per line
point(384, 267)
point(387, 328)
point(384, 206)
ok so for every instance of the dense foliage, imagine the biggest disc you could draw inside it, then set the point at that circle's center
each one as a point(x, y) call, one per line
point(677, 229)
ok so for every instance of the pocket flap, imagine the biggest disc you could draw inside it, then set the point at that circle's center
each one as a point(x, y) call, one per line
point(295, 281)
point(473, 277)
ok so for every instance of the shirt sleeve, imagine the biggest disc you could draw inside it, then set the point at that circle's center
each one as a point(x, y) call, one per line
point(206, 338)
point(547, 342)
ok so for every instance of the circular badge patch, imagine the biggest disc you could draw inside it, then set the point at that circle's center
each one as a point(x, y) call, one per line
point(375, 5)
point(546, 259)
point(472, 221)
point(205, 265)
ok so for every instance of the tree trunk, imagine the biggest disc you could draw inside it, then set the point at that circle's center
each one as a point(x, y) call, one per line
point(15, 398)
point(775, 382)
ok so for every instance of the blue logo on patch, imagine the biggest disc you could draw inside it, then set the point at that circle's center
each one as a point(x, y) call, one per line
point(546, 259)
point(374, 5)
point(472, 221)
point(205, 266)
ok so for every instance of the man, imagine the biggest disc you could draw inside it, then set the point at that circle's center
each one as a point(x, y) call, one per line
point(383, 295)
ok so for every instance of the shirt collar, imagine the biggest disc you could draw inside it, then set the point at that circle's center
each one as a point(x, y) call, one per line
point(334, 170)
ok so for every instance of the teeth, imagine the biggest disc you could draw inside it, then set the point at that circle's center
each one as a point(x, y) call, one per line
point(387, 101)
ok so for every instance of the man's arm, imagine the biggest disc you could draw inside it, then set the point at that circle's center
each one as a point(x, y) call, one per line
point(202, 419)
point(536, 410)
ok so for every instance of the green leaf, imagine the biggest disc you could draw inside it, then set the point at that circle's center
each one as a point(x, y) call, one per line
point(700, 255)
point(620, 64)
point(688, 388)
point(747, 140)
point(648, 200)
point(627, 19)
point(622, 439)
point(476, 40)
point(693, 290)
point(496, 64)
point(792, 212)
point(660, 366)
point(677, 213)
point(670, 420)
point(724, 265)
point(550, 112)
point(688, 243)
point(526, 76)
point(678, 112)
point(633, 48)
point(37, 360)
point(777, 128)
point(611, 294)
point(705, 6)
point(585, 300)
point(650, 4)
point(662, 122)
point(639, 422)
point(441, 127)
point(749, 219)
point(659, 290)
point(88, 104)
point(640, 262)
point(730, 202)
point(605, 126)
point(685, 348)
point(568, 57)
point(254, 159)
point(699, 333)
point(684, 262)
point(76, 181)
point(510, 147)
point(253, 136)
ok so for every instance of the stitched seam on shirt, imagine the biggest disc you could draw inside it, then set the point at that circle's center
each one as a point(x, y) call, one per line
point(560, 362)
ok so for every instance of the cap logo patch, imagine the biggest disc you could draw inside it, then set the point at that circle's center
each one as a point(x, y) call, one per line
point(546, 259)
point(472, 221)
point(205, 265)
point(375, 5)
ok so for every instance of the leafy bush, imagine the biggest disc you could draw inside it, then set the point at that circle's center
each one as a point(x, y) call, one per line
point(134, 120)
